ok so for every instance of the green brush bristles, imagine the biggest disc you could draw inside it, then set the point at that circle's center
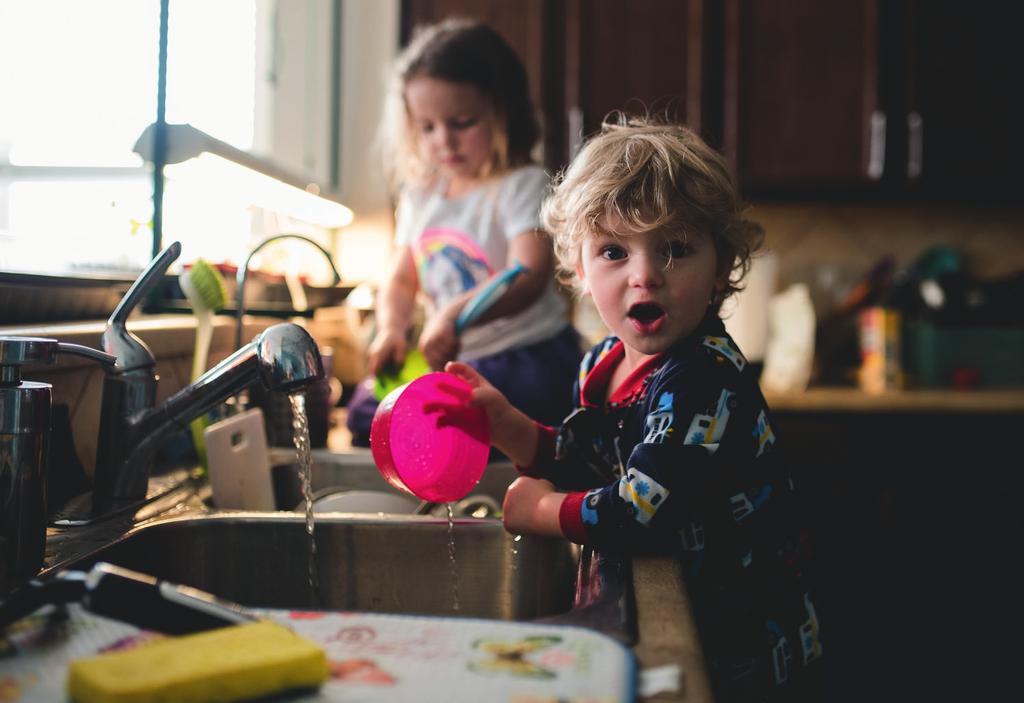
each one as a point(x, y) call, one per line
point(204, 286)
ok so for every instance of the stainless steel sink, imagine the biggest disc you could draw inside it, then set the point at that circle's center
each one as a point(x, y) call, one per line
point(365, 562)
point(394, 565)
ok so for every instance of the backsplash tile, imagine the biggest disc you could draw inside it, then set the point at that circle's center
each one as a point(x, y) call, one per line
point(830, 247)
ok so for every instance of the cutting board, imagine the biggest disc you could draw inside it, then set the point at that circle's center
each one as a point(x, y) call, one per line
point(373, 658)
point(239, 464)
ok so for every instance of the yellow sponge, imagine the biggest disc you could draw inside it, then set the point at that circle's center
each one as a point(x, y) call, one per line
point(227, 664)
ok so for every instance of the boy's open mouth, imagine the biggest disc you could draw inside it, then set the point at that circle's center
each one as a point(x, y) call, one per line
point(646, 313)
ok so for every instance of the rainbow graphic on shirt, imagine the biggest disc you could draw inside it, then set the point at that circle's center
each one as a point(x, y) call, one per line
point(448, 263)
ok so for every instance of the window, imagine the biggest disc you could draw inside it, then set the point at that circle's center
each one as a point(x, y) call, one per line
point(78, 82)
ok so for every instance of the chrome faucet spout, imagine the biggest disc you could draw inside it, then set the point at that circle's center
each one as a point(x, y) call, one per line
point(283, 358)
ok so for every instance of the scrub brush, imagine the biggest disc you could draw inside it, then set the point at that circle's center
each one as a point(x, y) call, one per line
point(415, 365)
point(204, 288)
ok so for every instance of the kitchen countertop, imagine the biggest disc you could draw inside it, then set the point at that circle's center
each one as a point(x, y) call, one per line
point(668, 633)
point(167, 333)
point(174, 333)
point(939, 400)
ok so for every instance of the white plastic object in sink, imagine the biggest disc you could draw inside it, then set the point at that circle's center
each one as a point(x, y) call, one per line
point(364, 502)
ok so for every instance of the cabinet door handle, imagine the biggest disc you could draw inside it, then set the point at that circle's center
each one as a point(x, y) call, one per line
point(915, 144)
point(876, 148)
point(575, 118)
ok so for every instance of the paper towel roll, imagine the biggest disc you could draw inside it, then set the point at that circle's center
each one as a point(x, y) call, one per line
point(789, 357)
point(746, 313)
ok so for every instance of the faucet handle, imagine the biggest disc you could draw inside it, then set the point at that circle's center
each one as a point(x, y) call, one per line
point(130, 351)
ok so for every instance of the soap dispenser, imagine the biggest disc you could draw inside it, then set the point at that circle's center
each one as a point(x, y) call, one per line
point(24, 448)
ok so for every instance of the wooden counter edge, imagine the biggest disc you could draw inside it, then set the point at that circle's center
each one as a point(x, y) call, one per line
point(838, 399)
point(668, 633)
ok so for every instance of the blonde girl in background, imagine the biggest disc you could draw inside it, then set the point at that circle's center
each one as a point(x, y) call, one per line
point(459, 131)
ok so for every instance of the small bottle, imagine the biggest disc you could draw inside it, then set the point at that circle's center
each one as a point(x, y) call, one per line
point(880, 331)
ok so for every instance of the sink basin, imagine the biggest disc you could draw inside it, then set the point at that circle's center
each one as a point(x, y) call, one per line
point(386, 564)
point(365, 561)
point(335, 472)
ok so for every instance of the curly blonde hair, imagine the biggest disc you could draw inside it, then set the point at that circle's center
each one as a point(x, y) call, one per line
point(463, 51)
point(650, 175)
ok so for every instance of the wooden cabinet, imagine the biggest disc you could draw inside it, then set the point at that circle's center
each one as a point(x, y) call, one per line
point(801, 105)
point(917, 532)
point(904, 99)
point(959, 134)
point(587, 58)
point(534, 29)
point(646, 57)
point(867, 99)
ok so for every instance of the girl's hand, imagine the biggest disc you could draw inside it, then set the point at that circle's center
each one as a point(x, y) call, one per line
point(388, 348)
point(438, 341)
point(511, 431)
point(531, 506)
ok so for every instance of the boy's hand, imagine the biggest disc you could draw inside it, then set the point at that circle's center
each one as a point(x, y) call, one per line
point(485, 396)
point(531, 506)
point(511, 431)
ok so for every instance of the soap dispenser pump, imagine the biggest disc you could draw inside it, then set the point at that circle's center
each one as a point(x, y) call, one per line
point(24, 448)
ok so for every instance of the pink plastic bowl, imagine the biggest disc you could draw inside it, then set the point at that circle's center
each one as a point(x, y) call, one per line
point(427, 441)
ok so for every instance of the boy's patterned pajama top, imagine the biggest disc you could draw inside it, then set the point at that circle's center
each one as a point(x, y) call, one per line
point(683, 456)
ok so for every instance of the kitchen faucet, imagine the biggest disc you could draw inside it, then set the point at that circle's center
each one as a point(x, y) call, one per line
point(243, 274)
point(283, 358)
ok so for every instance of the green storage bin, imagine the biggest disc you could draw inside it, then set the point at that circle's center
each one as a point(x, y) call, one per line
point(932, 354)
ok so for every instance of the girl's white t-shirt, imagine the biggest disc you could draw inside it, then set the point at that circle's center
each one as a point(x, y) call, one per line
point(461, 241)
